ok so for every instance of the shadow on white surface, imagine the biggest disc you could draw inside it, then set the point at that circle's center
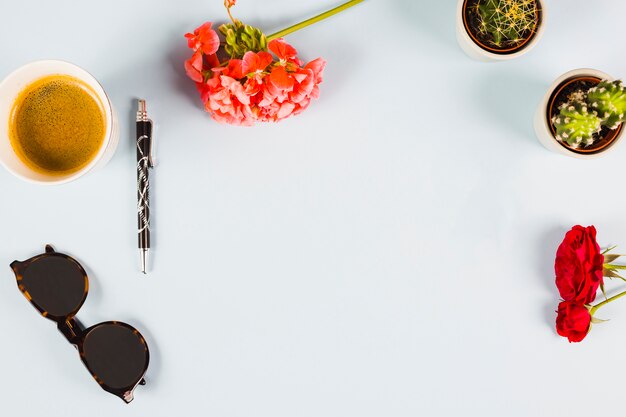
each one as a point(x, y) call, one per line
point(547, 245)
point(434, 20)
point(175, 59)
point(510, 97)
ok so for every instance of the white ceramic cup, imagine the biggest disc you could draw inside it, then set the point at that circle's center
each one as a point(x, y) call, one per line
point(21, 78)
point(542, 124)
point(472, 49)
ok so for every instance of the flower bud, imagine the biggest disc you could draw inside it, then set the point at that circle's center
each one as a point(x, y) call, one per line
point(242, 38)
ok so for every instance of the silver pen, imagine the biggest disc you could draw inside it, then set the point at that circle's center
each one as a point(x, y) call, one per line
point(145, 161)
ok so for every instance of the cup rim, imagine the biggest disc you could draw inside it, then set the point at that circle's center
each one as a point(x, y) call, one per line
point(87, 77)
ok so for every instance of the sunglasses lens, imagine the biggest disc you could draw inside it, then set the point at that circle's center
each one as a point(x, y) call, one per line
point(116, 354)
point(55, 284)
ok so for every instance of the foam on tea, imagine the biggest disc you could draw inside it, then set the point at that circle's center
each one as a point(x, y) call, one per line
point(57, 125)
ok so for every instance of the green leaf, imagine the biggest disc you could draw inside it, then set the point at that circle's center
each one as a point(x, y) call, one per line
point(612, 274)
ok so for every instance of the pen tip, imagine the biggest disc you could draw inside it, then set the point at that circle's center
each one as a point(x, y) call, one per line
point(144, 261)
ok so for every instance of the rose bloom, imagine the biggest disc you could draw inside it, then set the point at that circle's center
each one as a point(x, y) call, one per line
point(579, 265)
point(573, 321)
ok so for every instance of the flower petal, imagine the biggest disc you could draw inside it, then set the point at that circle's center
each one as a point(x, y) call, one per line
point(281, 79)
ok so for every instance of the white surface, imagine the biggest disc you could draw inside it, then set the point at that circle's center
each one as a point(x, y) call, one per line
point(387, 253)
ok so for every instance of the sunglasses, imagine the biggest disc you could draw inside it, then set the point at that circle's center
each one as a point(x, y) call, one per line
point(115, 353)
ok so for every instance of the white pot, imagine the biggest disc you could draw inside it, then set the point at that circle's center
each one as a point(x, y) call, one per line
point(15, 83)
point(542, 123)
point(472, 49)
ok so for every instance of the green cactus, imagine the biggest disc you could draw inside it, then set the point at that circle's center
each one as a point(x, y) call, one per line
point(507, 22)
point(609, 99)
point(576, 124)
point(242, 38)
point(587, 111)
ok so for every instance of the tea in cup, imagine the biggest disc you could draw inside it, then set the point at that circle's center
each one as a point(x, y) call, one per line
point(58, 123)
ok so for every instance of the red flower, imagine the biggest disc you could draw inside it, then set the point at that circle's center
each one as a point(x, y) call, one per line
point(579, 265)
point(573, 321)
point(257, 87)
point(254, 64)
point(193, 67)
point(227, 101)
point(204, 39)
point(284, 51)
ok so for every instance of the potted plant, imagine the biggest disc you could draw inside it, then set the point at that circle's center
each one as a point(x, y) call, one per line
point(498, 30)
point(582, 114)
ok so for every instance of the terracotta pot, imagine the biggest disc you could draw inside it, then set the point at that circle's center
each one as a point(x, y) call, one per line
point(545, 131)
point(477, 50)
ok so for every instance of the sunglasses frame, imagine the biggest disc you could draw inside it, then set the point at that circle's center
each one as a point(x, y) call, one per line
point(72, 328)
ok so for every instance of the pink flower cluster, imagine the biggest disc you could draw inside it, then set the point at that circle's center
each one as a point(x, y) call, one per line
point(259, 87)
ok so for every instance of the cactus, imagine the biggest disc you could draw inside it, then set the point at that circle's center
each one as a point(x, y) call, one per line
point(507, 22)
point(587, 111)
point(609, 99)
point(242, 38)
point(576, 125)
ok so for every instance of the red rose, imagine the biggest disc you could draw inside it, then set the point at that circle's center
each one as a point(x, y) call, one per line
point(579, 265)
point(573, 321)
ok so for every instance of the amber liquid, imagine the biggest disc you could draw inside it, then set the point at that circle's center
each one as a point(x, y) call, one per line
point(57, 125)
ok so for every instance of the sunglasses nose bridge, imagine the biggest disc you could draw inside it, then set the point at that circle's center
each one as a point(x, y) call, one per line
point(71, 329)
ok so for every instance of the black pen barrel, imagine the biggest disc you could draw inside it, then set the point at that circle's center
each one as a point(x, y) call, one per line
point(144, 132)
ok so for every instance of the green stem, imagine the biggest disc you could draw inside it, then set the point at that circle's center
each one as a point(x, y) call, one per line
point(313, 20)
point(605, 302)
point(232, 19)
point(609, 266)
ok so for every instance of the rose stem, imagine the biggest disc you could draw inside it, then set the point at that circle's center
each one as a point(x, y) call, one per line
point(313, 20)
point(605, 302)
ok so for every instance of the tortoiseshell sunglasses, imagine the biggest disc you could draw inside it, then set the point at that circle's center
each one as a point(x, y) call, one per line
point(115, 353)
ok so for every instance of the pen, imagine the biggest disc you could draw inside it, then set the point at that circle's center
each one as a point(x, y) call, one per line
point(144, 162)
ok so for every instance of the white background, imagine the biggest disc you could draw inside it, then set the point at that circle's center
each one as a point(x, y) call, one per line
point(387, 253)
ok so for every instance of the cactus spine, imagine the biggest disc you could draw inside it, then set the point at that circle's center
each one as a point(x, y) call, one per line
point(507, 22)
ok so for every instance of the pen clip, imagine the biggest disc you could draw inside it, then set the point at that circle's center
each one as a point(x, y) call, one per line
point(152, 147)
